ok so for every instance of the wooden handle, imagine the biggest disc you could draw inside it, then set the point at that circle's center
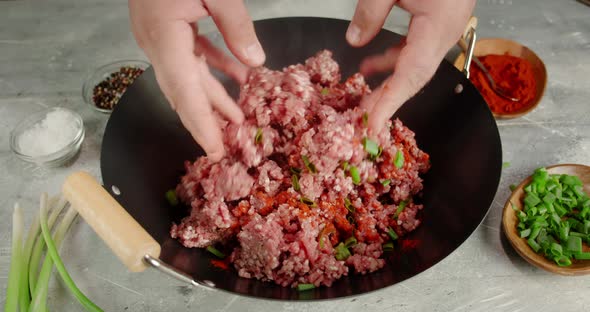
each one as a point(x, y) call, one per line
point(126, 238)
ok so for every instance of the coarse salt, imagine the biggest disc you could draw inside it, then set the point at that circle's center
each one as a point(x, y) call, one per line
point(58, 129)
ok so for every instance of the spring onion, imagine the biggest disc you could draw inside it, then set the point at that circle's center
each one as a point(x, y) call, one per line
point(52, 252)
point(385, 182)
point(388, 246)
point(371, 147)
point(295, 170)
point(215, 252)
point(350, 242)
point(555, 220)
point(345, 165)
point(171, 198)
point(365, 119)
point(40, 244)
point(400, 208)
point(341, 252)
point(258, 136)
point(348, 205)
point(398, 161)
point(310, 166)
point(13, 287)
point(355, 175)
point(304, 287)
point(295, 182)
point(392, 233)
point(307, 201)
point(325, 91)
point(505, 165)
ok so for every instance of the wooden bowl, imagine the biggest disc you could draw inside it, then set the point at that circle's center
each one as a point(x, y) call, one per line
point(510, 221)
point(503, 46)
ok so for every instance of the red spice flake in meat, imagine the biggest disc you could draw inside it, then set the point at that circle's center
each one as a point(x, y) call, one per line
point(268, 203)
point(220, 264)
point(407, 244)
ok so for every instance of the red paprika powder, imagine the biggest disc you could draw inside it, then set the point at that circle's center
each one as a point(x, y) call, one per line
point(514, 75)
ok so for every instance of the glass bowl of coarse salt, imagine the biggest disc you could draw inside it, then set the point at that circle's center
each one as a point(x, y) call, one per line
point(48, 138)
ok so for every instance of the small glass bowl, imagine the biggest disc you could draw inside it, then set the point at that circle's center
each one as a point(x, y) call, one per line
point(100, 74)
point(56, 158)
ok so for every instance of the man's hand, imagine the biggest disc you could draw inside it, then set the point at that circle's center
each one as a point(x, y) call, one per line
point(436, 25)
point(167, 32)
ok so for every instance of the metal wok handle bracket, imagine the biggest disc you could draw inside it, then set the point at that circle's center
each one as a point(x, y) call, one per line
point(467, 43)
point(173, 272)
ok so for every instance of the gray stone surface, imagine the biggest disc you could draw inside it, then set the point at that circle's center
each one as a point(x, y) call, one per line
point(47, 47)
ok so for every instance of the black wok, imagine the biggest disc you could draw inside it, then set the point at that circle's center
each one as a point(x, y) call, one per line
point(145, 145)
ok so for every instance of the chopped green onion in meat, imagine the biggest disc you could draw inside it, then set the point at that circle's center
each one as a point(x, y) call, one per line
point(310, 166)
point(215, 252)
point(295, 181)
point(258, 137)
point(355, 175)
point(304, 287)
point(392, 233)
point(398, 161)
point(365, 119)
point(385, 182)
point(341, 252)
point(371, 147)
point(171, 198)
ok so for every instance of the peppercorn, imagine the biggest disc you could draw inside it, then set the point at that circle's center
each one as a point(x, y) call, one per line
point(107, 93)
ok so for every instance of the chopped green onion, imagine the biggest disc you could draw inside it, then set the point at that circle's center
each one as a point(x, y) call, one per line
point(505, 165)
point(355, 175)
point(341, 252)
point(348, 205)
point(350, 242)
point(525, 233)
point(365, 119)
point(325, 91)
point(295, 182)
point(388, 246)
point(534, 245)
point(307, 201)
point(385, 182)
point(258, 137)
point(295, 170)
point(370, 146)
point(304, 287)
point(398, 161)
point(215, 252)
point(531, 200)
point(582, 255)
point(311, 167)
point(574, 244)
point(563, 261)
point(345, 165)
point(392, 233)
point(171, 198)
point(400, 208)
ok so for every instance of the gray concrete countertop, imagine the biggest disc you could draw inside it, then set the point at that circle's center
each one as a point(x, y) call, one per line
point(47, 47)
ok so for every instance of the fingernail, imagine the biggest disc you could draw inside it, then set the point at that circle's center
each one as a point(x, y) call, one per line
point(255, 54)
point(353, 34)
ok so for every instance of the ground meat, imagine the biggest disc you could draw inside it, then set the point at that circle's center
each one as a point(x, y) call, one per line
point(284, 195)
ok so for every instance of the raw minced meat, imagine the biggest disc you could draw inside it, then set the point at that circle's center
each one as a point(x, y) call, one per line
point(283, 198)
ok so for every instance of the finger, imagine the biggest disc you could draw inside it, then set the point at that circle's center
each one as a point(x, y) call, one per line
point(416, 64)
point(177, 71)
point(381, 62)
point(220, 100)
point(367, 21)
point(218, 59)
point(232, 19)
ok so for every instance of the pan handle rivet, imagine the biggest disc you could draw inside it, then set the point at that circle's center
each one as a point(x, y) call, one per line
point(458, 88)
point(115, 190)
